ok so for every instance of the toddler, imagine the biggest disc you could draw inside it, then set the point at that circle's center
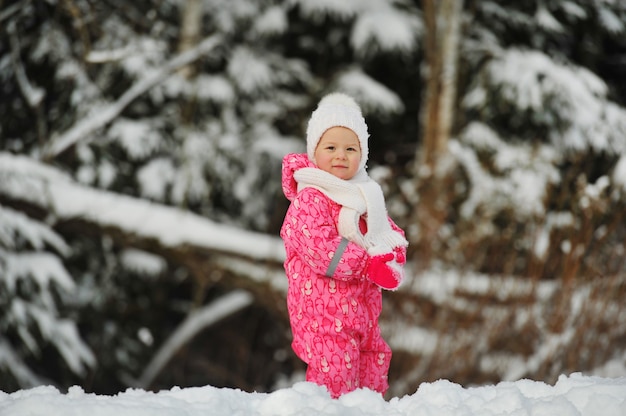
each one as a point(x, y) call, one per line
point(342, 248)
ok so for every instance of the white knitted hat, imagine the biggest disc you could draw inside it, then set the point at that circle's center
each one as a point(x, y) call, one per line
point(337, 110)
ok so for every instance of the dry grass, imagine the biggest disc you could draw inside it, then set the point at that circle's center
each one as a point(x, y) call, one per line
point(510, 328)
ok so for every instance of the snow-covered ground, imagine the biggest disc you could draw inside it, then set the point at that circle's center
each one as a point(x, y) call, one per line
point(574, 395)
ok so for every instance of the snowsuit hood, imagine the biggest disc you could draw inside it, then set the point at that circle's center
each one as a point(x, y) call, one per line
point(291, 163)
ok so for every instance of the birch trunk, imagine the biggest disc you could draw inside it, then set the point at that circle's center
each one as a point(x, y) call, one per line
point(443, 28)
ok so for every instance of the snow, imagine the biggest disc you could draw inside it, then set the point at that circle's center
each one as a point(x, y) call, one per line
point(154, 177)
point(553, 220)
point(152, 219)
point(251, 72)
point(42, 267)
point(547, 21)
point(214, 88)
point(371, 95)
point(523, 172)
point(611, 21)
point(388, 28)
point(619, 174)
point(272, 22)
point(573, 395)
point(529, 80)
point(36, 234)
point(142, 262)
point(139, 139)
point(318, 9)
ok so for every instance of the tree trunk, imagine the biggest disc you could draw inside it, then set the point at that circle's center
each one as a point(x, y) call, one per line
point(190, 31)
point(190, 35)
point(443, 27)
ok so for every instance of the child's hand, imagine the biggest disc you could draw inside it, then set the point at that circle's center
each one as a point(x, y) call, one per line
point(379, 272)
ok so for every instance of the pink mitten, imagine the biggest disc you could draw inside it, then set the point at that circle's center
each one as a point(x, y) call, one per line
point(379, 272)
point(400, 255)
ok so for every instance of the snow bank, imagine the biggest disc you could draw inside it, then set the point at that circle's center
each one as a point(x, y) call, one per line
point(573, 395)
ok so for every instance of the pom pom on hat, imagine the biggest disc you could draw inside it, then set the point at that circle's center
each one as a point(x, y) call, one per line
point(337, 110)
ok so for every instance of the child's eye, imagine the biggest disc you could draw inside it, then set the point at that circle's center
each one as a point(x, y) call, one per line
point(330, 147)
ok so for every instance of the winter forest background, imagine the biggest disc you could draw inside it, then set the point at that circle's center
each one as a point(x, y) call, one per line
point(140, 201)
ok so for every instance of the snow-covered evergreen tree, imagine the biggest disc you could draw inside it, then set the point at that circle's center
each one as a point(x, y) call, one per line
point(34, 288)
point(542, 122)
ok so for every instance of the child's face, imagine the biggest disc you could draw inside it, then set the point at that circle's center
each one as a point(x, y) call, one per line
point(339, 152)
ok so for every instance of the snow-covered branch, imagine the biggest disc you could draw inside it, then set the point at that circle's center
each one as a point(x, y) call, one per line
point(32, 94)
point(28, 181)
point(19, 369)
point(194, 323)
point(102, 116)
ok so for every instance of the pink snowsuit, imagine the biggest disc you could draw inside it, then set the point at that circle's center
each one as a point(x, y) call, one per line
point(333, 308)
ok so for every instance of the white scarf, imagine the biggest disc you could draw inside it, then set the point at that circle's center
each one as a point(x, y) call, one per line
point(357, 196)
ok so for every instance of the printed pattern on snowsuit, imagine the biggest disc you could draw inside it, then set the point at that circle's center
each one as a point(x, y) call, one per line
point(334, 319)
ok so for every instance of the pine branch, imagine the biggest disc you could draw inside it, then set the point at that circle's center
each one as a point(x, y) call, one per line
point(101, 117)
